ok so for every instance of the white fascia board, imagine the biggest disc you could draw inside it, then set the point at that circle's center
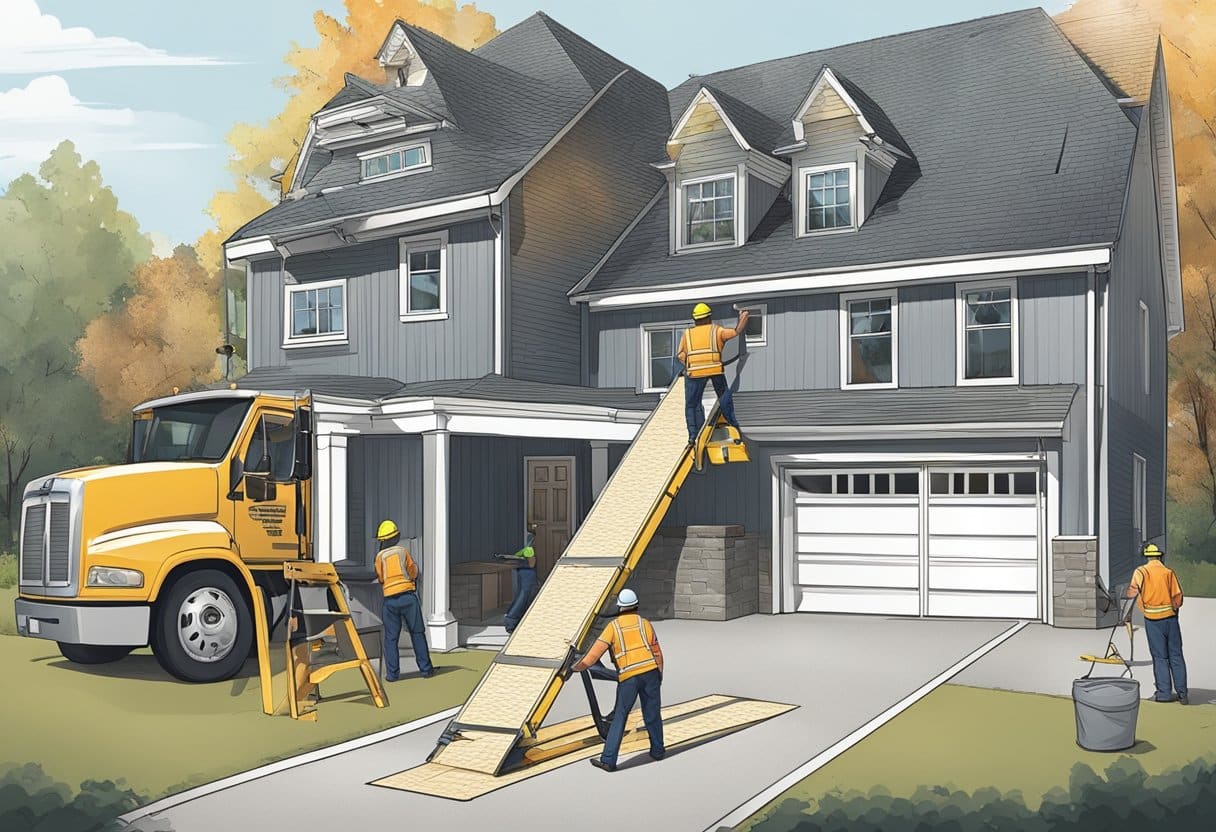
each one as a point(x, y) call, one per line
point(388, 219)
point(834, 458)
point(398, 128)
point(302, 159)
point(543, 428)
point(827, 77)
point(878, 275)
point(705, 95)
point(977, 430)
point(251, 247)
point(535, 410)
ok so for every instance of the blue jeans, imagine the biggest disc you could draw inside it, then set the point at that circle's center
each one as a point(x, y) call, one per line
point(526, 585)
point(694, 412)
point(400, 609)
point(1165, 644)
point(645, 686)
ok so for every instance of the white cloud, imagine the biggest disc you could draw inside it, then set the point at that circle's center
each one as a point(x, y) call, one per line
point(33, 42)
point(40, 115)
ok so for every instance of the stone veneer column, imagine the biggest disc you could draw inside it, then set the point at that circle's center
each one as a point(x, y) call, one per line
point(1077, 600)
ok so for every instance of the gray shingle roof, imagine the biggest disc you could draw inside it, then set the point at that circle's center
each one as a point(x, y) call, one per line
point(760, 131)
point(507, 99)
point(982, 105)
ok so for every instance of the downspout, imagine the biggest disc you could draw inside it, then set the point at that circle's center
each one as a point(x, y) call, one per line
point(499, 294)
point(1048, 570)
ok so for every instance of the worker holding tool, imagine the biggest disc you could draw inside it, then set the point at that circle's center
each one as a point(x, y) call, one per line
point(1160, 596)
point(639, 662)
point(397, 573)
point(523, 579)
point(701, 354)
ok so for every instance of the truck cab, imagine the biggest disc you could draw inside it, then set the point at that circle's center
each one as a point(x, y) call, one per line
point(180, 546)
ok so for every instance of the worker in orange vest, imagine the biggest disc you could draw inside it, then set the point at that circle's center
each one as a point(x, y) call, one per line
point(397, 573)
point(701, 354)
point(1159, 595)
point(639, 662)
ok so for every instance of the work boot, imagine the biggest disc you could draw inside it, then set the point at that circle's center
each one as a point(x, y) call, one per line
point(1170, 698)
point(657, 757)
point(1182, 700)
point(600, 764)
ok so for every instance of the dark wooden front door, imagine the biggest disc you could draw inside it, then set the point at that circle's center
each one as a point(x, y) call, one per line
point(550, 480)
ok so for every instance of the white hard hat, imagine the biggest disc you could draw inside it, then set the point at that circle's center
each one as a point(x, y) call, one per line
point(627, 598)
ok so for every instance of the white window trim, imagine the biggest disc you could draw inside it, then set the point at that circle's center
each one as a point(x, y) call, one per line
point(644, 334)
point(682, 206)
point(804, 173)
point(402, 148)
point(1140, 495)
point(760, 309)
point(328, 339)
point(846, 353)
point(438, 239)
point(1146, 349)
point(960, 330)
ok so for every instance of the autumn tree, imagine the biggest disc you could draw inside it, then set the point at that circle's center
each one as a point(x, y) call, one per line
point(66, 253)
point(162, 337)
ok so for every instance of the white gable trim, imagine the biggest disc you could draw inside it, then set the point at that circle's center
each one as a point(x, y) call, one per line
point(705, 95)
point(1163, 166)
point(828, 78)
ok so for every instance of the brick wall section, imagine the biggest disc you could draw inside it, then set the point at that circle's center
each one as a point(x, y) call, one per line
point(1078, 599)
point(706, 573)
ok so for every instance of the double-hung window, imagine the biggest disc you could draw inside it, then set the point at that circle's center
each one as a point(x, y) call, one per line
point(423, 279)
point(315, 313)
point(377, 164)
point(829, 198)
point(869, 342)
point(988, 321)
point(709, 211)
point(755, 334)
point(660, 342)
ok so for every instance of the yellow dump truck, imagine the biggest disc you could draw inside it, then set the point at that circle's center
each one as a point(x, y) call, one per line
point(179, 547)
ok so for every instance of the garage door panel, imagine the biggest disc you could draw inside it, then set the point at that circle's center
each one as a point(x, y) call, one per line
point(971, 546)
point(997, 576)
point(984, 604)
point(871, 602)
point(832, 519)
point(856, 544)
point(967, 519)
point(877, 572)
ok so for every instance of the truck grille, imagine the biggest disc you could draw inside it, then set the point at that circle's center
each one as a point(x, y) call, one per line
point(46, 544)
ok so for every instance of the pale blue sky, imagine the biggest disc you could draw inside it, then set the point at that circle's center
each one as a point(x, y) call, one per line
point(158, 127)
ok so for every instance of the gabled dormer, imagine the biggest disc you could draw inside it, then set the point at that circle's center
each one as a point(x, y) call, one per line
point(842, 152)
point(722, 177)
point(403, 65)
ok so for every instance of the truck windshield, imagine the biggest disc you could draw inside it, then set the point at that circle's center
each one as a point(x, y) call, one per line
point(200, 431)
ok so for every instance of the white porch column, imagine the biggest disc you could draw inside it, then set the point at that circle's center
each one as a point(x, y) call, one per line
point(441, 627)
point(599, 467)
point(331, 497)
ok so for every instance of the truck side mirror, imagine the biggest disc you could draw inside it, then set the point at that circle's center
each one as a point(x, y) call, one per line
point(301, 468)
point(259, 487)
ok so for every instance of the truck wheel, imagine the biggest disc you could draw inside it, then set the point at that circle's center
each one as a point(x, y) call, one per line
point(92, 653)
point(204, 628)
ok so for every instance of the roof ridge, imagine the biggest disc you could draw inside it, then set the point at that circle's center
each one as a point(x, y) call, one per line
point(555, 27)
point(353, 80)
point(891, 36)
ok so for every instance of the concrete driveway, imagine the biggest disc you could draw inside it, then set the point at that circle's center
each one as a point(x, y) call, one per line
point(842, 671)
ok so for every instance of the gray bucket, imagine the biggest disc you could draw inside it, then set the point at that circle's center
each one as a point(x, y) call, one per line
point(1106, 713)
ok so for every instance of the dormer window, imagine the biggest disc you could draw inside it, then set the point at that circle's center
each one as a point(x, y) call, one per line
point(830, 198)
point(398, 161)
point(709, 211)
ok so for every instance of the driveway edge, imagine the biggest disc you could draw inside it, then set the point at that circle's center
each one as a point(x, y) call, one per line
point(759, 801)
point(282, 765)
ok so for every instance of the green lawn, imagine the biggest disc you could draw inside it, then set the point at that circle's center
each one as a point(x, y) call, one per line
point(1198, 578)
point(970, 738)
point(131, 720)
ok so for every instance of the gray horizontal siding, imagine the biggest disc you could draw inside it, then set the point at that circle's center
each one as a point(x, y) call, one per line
point(1074, 471)
point(379, 343)
point(383, 482)
point(829, 142)
point(713, 153)
point(1051, 315)
point(927, 335)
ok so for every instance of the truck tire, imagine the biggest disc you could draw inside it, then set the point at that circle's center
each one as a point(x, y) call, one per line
point(92, 653)
point(203, 630)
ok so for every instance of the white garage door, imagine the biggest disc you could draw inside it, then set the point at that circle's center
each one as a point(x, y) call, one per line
point(916, 541)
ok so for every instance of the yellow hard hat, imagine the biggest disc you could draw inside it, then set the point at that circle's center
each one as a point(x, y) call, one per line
point(387, 530)
point(1151, 551)
point(701, 310)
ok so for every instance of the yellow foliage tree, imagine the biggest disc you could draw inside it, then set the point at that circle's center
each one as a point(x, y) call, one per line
point(164, 336)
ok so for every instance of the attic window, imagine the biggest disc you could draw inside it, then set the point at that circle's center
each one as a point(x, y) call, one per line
point(829, 196)
point(398, 161)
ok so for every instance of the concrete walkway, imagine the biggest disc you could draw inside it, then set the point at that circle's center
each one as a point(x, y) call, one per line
point(841, 670)
point(1041, 659)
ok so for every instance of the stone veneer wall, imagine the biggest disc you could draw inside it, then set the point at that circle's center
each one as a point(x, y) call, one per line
point(1077, 597)
point(706, 573)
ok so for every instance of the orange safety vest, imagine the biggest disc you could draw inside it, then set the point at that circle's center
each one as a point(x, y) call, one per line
point(396, 570)
point(702, 354)
point(629, 637)
point(1158, 589)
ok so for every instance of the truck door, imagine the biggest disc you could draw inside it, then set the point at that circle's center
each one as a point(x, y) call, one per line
point(268, 500)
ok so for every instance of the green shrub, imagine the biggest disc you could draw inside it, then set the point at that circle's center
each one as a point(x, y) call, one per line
point(1126, 798)
point(30, 801)
point(8, 571)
